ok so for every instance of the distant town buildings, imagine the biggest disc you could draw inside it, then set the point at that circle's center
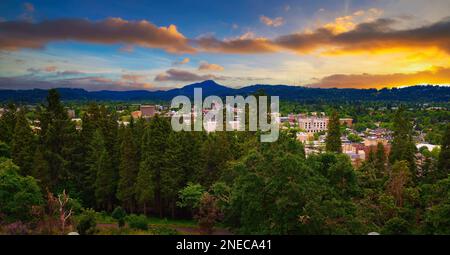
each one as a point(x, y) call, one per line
point(136, 114)
point(315, 122)
point(348, 122)
point(71, 113)
point(312, 124)
point(430, 147)
point(147, 111)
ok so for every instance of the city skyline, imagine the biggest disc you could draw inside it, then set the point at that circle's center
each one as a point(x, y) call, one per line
point(154, 45)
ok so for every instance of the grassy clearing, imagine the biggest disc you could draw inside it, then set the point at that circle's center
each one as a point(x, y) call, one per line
point(105, 218)
point(156, 226)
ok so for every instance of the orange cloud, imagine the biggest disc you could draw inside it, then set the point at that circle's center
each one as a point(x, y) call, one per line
point(236, 46)
point(87, 82)
point(182, 62)
point(133, 77)
point(23, 34)
point(371, 36)
point(341, 37)
point(436, 75)
point(205, 66)
point(50, 69)
point(276, 22)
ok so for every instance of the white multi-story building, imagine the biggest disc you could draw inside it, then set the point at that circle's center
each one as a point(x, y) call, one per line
point(312, 124)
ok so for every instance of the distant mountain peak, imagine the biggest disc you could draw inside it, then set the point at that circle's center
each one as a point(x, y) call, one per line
point(209, 82)
point(205, 83)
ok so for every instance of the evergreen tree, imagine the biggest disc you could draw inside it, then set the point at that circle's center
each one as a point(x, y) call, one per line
point(90, 124)
point(444, 155)
point(104, 175)
point(371, 157)
point(403, 147)
point(8, 124)
point(145, 187)
point(5, 150)
point(215, 152)
point(333, 139)
point(399, 179)
point(128, 170)
point(173, 177)
point(22, 149)
point(41, 170)
point(57, 136)
point(380, 159)
point(154, 148)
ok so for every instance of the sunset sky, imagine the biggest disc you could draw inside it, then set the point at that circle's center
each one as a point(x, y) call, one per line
point(123, 45)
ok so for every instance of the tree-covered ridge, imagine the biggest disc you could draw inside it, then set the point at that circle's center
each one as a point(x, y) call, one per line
point(223, 177)
point(287, 93)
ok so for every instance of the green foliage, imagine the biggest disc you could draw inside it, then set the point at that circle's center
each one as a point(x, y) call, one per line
point(403, 147)
point(258, 188)
point(354, 138)
point(87, 223)
point(5, 151)
point(380, 160)
point(396, 226)
point(137, 221)
point(444, 156)
point(18, 194)
point(279, 193)
point(190, 196)
point(437, 199)
point(22, 149)
point(333, 139)
point(163, 230)
point(119, 214)
point(208, 213)
point(8, 124)
point(398, 180)
point(128, 171)
point(102, 167)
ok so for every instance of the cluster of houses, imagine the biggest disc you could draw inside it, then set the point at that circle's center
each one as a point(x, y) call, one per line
point(312, 133)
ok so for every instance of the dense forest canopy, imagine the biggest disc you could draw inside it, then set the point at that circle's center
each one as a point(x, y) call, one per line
point(223, 177)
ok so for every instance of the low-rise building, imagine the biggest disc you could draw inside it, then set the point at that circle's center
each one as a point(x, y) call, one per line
point(312, 124)
point(348, 122)
point(147, 111)
point(430, 147)
point(71, 113)
point(136, 114)
point(316, 122)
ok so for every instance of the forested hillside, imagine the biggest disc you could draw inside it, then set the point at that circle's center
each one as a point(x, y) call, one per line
point(286, 93)
point(226, 178)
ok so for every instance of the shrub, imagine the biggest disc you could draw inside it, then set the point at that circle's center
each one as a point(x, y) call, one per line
point(18, 194)
point(87, 224)
point(137, 222)
point(16, 228)
point(190, 196)
point(163, 230)
point(119, 214)
point(208, 213)
point(5, 151)
point(396, 226)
